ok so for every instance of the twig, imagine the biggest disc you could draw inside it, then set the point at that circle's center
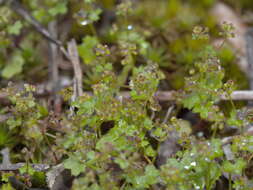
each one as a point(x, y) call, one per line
point(8, 166)
point(152, 114)
point(241, 95)
point(19, 9)
point(74, 58)
point(229, 139)
point(228, 152)
point(171, 95)
point(53, 66)
point(249, 48)
point(168, 114)
point(160, 95)
point(4, 117)
point(6, 156)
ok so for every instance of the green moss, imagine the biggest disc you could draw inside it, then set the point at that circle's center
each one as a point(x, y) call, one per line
point(232, 70)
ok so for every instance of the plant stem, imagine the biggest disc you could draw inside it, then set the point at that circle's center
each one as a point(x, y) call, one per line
point(230, 182)
point(208, 185)
point(93, 30)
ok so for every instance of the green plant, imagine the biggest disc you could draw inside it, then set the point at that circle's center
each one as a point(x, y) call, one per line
point(107, 140)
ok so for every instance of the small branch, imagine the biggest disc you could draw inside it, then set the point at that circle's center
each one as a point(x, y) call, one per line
point(152, 115)
point(161, 95)
point(5, 117)
point(53, 61)
point(53, 67)
point(74, 58)
point(168, 114)
point(172, 95)
point(8, 166)
point(6, 156)
point(236, 95)
point(240, 95)
point(228, 152)
point(249, 48)
point(19, 9)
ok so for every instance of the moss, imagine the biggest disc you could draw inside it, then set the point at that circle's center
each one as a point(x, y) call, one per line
point(232, 70)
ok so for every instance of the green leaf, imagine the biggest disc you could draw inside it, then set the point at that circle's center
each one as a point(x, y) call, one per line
point(91, 155)
point(7, 186)
point(234, 168)
point(89, 1)
point(14, 67)
point(123, 163)
point(60, 8)
point(14, 122)
point(150, 177)
point(86, 49)
point(159, 132)
point(149, 151)
point(75, 165)
point(27, 169)
point(5, 176)
point(43, 112)
point(233, 120)
point(40, 14)
point(191, 100)
point(15, 28)
point(151, 174)
point(87, 107)
point(216, 150)
point(94, 15)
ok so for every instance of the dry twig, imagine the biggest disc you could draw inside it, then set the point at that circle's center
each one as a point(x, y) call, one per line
point(53, 67)
point(160, 95)
point(8, 166)
point(168, 114)
point(74, 58)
